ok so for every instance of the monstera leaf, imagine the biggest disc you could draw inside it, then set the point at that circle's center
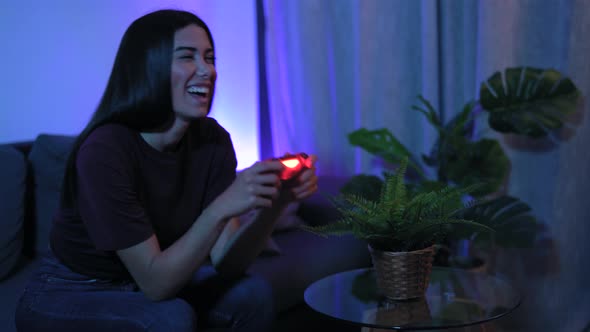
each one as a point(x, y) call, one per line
point(384, 144)
point(511, 219)
point(482, 162)
point(528, 101)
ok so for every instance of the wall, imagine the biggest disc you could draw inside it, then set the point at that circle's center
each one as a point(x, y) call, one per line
point(56, 56)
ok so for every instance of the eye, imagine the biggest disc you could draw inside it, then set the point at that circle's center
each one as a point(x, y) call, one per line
point(210, 59)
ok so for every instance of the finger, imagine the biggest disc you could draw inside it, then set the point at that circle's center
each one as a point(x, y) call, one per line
point(271, 179)
point(260, 190)
point(260, 168)
point(307, 175)
point(261, 202)
point(306, 193)
point(313, 158)
point(307, 186)
point(267, 166)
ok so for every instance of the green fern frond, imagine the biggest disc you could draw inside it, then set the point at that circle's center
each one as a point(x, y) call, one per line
point(424, 205)
point(425, 226)
point(335, 228)
point(400, 188)
point(365, 205)
point(394, 193)
point(400, 219)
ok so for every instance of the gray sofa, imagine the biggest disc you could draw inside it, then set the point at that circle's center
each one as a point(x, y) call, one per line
point(30, 178)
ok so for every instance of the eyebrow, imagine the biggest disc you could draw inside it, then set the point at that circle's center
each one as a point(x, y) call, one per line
point(192, 49)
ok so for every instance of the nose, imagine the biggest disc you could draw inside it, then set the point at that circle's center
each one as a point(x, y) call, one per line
point(203, 69)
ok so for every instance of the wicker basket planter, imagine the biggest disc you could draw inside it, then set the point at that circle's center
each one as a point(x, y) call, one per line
point(402, 275)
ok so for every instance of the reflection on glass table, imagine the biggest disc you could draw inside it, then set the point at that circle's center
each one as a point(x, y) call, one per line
point(455, 298)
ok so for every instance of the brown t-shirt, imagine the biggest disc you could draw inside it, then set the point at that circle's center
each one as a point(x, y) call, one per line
point(128, 191)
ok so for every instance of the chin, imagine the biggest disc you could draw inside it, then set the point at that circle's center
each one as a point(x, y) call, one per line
point(193, 114)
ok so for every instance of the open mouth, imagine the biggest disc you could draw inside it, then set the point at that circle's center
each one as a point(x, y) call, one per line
point(199, 91)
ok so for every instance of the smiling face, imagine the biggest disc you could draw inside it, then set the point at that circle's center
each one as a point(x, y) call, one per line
point(193, 73)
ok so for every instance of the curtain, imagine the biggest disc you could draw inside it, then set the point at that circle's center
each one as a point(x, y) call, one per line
point(333, 66)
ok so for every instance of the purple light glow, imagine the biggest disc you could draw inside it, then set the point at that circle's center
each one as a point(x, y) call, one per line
point(61, 53)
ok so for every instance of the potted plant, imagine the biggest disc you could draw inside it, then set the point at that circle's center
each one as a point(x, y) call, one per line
point(527, 102)
point(401, 228)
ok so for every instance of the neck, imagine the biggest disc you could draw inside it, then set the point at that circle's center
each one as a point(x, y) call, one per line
point(167, 140)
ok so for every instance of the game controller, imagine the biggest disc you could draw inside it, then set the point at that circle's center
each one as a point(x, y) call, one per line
point(293, 164)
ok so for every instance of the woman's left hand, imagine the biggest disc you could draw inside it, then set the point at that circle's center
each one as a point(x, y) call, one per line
point(304, 186)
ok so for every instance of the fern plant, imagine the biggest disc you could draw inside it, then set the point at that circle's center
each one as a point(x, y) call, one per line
point(400, 219)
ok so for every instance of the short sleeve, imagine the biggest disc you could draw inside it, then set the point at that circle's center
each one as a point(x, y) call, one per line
point(224, 166)
point(108, 200)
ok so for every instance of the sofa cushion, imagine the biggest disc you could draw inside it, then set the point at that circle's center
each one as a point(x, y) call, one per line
point(318, 209)
point(305, 258)
point(13, 173)
point(48, 158)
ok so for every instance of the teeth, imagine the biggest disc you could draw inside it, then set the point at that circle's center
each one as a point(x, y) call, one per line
point(198, 89)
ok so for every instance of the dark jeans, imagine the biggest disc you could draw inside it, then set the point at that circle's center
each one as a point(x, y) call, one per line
point(58, 299)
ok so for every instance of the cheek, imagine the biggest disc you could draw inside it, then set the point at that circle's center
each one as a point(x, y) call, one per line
point(176, 90)
point(213, 77)
point(175, 82)
point(181, 73)
point(213, 74)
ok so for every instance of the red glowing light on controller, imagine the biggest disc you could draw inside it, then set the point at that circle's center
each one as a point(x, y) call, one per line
point(290, 163)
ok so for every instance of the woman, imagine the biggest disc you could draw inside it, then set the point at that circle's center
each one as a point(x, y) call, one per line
point(150, 196)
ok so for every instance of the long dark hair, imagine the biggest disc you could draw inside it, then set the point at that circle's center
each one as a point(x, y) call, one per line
point(138, 93)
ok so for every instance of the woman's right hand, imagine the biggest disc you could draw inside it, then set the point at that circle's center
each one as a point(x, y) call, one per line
point(254, 187)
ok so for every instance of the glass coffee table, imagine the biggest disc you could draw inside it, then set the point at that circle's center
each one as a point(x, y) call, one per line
point(455, 298)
